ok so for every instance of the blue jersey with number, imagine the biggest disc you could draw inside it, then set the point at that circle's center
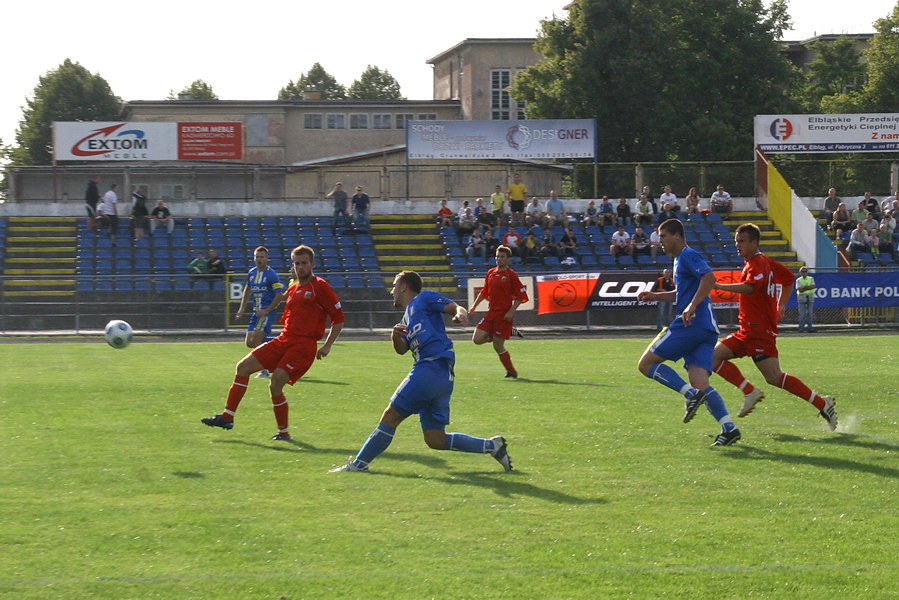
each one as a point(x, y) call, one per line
point(425, 329)
point(263, 287)
point(689, 267)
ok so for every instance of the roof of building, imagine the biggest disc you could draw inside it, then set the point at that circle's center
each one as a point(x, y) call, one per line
point(478, 41)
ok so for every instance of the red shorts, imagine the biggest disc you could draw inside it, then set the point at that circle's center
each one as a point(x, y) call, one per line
point(496, 326)
point(294, 355)
point(743, 344)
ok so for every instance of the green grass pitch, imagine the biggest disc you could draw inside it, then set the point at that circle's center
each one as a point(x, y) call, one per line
point(112, 488)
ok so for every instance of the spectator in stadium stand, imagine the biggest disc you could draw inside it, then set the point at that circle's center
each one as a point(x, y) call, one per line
point(512, 240)
point(361, 208)
point(591, 215)
point(198, 266)
point(555, 211)
point(871, 225)
point(720, 201)
point(667, 213)
point(108, 212)
point(654, 243)
point(490, 244)
point(668, 197)
point(139, 214)
point(465, 204)
point(885, 242)
point(842, 221)
point(444, 215)
point(216, 265)
point(692, 201)
point(805, 297)
point(858, 241)
point(890, 203)
point(161, 215)
point(478, 207)
point(341, 216)
point(621, 242)
point(643, 212)
point(91, 198)
point(831, 203)
point(516, 194)
point(650, 198)
point(475, 245)
point(872, 205)
point(623, 212)
point(859, 214)
point(568, 244)
point(548, 245)
point(466, 224)
point(531, 248)
point(497, 201)
point(639, 242)
point(533, 213)
point(486, 219)
point(607, 212)
point(890, 221)
point(665, 312)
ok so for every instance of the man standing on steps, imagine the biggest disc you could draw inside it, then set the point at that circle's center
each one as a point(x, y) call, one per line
point(91, 197)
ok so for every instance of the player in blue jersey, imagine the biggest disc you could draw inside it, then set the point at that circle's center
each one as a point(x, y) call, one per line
point(692, 334)
point(427, 389)
point(263, 293)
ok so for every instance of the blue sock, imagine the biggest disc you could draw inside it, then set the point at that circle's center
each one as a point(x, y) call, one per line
point(666, 376)
point(376, 443)
point(715, 403)
point(461, 442)
point(268, 339)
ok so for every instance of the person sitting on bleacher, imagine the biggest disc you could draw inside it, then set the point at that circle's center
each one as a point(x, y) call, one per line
point(643, 214)
point(859, 214)
point(623, 212)
point(639, 242)
point(842, 221)
point(568, 244)
point(198, 266)
point(555, 211)
point(721, 201)
point(858, 241)
point(607, 212)
point(890, 221)
point(475, 245)
point(591, 215)
point(513, 241)
point(885, 242)
point(621, 242)
point(467, 223)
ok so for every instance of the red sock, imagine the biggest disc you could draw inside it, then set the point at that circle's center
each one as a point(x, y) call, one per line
point(507, 362)
point(731, 373)
point(795, 386)
point(280, 406)
point(235, 395)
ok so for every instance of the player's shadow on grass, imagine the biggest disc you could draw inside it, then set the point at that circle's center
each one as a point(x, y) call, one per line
point(561, 382)
point(843, 439)
point(294, 446)
point(502, 483)
point(329, 382)
point(743, 451)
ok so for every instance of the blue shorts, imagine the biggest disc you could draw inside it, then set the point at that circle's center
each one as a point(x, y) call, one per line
point(694, 344)
point(264, 324)
point(426, 391)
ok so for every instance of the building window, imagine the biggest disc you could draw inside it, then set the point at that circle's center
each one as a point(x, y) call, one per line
point(312, 121)
point(380, 121)
point(500, 101)
point(427, 117)
point(358, 121)
point(336, 121)
point(401, 119)
point(171, 191)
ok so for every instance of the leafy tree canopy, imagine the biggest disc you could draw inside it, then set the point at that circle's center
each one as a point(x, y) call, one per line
point(198, 90)
point(665, 79)
point(316, 78)
point(375, 84)
point(68, 93)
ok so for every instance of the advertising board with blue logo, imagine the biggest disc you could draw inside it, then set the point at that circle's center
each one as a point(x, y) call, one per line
point(798, 134)
point(467, 140)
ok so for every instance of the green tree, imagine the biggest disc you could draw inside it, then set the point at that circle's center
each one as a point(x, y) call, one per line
point(375, 84)
point(665, 79)
point(316, 78)
point(68, 93)
point(198, 90)
point(881, 92)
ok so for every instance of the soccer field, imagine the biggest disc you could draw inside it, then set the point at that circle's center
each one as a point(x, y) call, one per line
point(112, 488)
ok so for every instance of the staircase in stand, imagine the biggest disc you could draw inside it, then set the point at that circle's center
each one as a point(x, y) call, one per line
point(412, 242)
point(772, 244)
point(40, 257)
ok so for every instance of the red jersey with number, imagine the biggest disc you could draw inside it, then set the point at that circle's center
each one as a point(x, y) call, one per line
point(501, 288)
point(758, 310)
point(307, 308)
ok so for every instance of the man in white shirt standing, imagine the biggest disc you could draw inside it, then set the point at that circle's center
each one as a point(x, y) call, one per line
point(108, 211)
point(721, 201)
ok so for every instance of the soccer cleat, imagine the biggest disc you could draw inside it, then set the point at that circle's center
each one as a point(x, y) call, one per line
point(349, 467)
point(750, 400)
point(829, 413)
point(263, 374)
point(499, 452)
point(511, 375)
point(217, 421)
point(282, 437)
point(726, 438)
point(692, 405)
point(517, 333)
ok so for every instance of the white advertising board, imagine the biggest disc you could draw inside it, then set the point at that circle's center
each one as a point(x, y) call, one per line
point(797, 134)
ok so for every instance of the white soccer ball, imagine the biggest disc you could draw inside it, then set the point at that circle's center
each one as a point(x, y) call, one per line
point(118, 334)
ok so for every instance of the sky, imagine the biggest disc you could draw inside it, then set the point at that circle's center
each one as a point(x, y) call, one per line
point(249, 51)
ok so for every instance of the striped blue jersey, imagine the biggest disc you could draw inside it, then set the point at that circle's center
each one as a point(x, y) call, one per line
point(263, 287)
point(425, 329)
point(689, 267)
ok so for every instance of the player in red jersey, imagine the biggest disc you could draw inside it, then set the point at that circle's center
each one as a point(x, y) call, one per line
point(505, 293)
point(764, 289)
point(310, 302)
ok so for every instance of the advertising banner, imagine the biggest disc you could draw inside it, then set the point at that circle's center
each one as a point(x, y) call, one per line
point(476, 284)
point(466, 140)
point(843, 290)
point(797, 134)
point(123, 141)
